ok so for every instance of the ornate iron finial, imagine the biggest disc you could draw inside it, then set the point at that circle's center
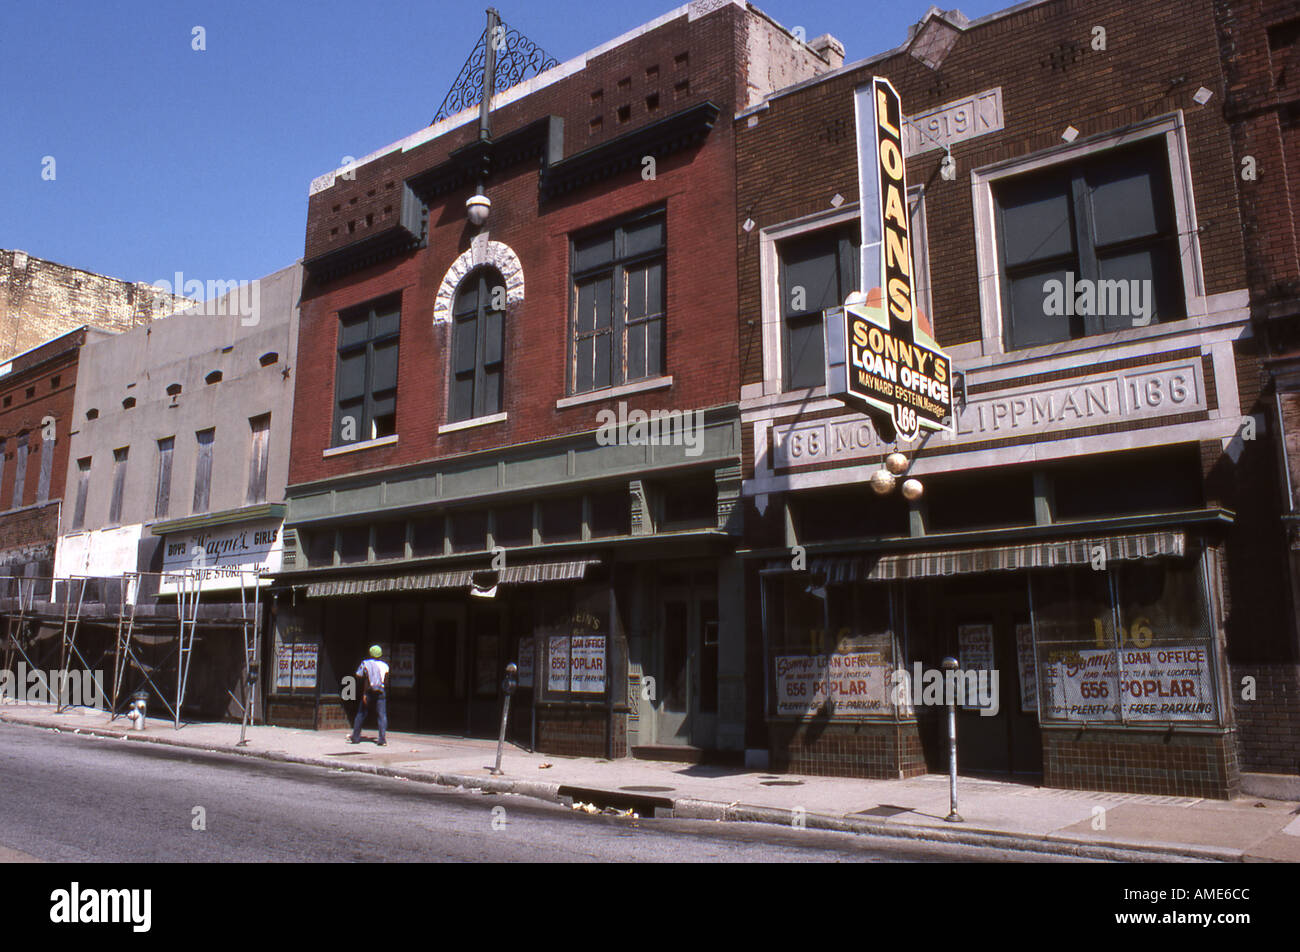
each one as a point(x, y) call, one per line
point(517, 58)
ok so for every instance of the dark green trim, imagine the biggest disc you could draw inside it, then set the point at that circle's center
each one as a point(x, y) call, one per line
point(531, 552)
point(262, 513)
point(1003, 536)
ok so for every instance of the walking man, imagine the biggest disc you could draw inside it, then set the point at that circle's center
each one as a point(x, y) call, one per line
point(375, 672)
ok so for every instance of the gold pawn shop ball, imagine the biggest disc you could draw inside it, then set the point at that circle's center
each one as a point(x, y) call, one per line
point(912, 489)
point(896, 463)
point(882, 481)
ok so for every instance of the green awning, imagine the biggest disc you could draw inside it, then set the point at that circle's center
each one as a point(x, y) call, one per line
point(460, 578)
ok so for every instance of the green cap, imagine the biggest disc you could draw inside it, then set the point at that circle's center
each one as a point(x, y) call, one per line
point(376, 651)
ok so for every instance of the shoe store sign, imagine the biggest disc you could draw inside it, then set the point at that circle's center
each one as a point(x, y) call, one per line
point(877, 355)
point(220, 558)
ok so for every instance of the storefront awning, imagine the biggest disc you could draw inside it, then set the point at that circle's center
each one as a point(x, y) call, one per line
point(878, 567)
point(460, 578)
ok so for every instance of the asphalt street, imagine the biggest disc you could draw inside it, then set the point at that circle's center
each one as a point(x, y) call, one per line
point(78, 798)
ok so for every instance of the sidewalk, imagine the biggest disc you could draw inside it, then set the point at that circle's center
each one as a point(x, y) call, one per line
point(1000, 814)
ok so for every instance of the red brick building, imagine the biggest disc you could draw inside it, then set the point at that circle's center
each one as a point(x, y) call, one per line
point(1260, 45)
point(36, 395)
point(1100, 526)
point(540, 411)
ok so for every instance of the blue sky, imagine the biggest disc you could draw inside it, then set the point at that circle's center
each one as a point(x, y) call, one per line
point(170, 159)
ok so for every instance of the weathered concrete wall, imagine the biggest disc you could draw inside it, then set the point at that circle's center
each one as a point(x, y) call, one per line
point(185, 350)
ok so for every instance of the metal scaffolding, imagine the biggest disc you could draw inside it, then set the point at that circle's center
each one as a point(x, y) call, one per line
point(66, 611)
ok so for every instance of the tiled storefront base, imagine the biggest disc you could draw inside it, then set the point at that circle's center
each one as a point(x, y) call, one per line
point(1127, 760)
point(878, 751)
point(580, 733)
point(303, 713)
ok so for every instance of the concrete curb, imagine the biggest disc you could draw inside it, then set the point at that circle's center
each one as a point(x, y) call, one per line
point(1125, 851)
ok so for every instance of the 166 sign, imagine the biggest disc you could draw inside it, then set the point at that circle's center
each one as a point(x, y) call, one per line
point(877, 355)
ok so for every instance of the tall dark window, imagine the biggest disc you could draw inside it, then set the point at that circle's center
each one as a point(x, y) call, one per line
point(366, 383)
point(119, 485)
point(83, 489)
point(259, 457)
point(20, 472)
point(203, 469)
point(618, 300)
point(818, 271)
point(477, 344)
point(163, 497)
point(1103, 220)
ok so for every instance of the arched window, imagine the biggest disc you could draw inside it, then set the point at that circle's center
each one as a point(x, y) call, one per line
point(478, 345)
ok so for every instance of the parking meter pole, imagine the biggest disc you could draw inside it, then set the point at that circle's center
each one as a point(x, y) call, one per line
point(507, 688)
point(950, 664)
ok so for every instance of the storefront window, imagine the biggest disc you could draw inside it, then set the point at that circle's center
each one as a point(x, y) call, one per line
point(831, 647)
point(575, 643)
point(1131, 644)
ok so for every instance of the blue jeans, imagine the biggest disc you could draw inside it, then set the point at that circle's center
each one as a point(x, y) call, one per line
point(379, 702)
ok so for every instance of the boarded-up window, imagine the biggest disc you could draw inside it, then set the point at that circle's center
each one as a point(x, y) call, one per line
point(47, 466)
point(162, 501)
point(259, 458)
point(203, 470)
point(20, 473)
point(119, 485)
point(83, 488)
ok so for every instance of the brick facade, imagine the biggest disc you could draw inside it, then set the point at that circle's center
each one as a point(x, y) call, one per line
point(675, 84)
point(39, 387)
point(1046, 60)
point(1259, 43)
point(42, 299)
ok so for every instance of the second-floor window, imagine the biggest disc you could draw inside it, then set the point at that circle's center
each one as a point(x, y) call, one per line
point(1088, 247)
point(20, 472)
point(259, 457)
point(119, 485)
point(47, 465)
point(818, 271)
point(83, 490)
point(366, 383)
point(203, 469)
point(163, 497)
point(477, 345)
point(619, 295)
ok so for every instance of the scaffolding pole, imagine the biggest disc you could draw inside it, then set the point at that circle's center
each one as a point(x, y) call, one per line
point(68, 645)
point(252, 651)
point(125, 629)
point(15, 627)
point(188, 586)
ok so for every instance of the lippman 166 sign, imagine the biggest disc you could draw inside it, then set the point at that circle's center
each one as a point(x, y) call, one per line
point(876, 354)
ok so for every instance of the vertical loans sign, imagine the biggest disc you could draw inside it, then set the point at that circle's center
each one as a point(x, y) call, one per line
point(877, 355)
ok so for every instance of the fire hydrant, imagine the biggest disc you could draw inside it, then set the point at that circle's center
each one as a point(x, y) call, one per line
point(136, 711)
